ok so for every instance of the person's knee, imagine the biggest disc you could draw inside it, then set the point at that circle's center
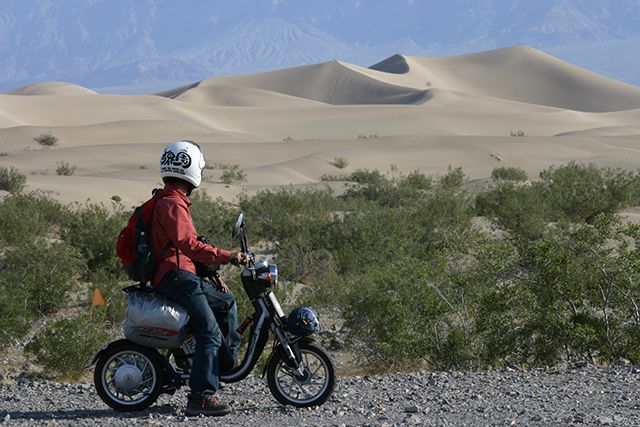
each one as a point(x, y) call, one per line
point(229, 300)
point(209, 340)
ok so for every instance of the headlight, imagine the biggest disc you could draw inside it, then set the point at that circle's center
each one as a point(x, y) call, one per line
point(268, 275)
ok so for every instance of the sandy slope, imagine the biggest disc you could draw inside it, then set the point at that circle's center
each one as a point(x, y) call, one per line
point(286, 126)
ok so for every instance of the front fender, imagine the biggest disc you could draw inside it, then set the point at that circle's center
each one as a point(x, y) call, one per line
point(105, 347)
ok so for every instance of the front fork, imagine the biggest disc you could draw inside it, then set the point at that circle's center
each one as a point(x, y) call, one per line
point(289, 349)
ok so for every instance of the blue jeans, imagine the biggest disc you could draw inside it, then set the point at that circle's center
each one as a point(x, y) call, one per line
point(213, 318)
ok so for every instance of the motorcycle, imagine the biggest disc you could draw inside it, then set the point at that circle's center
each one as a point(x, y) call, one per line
point(130, 376)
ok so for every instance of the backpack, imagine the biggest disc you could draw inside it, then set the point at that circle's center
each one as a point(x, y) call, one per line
point(134, 246)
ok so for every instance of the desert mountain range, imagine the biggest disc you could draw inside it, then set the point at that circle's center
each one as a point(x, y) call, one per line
point(142, 46)
point(287, 127)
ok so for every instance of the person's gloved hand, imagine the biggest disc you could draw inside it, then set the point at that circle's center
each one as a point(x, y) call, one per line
point(238, 258)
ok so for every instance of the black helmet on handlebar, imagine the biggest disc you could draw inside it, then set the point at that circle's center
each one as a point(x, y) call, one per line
point(303, 321)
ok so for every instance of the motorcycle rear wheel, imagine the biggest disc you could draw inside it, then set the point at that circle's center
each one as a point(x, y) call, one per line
point(128, 377)
point(313, 388)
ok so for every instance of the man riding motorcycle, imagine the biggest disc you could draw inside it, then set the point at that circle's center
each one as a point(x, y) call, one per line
point(211, 307)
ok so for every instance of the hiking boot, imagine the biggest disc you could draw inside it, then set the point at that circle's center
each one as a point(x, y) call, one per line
point(207, 405)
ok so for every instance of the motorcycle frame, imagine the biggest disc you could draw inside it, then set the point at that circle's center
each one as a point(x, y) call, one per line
point(268, 317)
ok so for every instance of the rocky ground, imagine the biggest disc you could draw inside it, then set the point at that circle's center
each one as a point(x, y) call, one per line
point(580, 395)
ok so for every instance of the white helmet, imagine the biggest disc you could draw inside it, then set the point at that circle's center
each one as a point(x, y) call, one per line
point(184, 160)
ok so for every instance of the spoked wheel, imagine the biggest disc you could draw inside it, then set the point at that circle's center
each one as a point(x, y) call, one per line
point(312, 388)
point(128, 377)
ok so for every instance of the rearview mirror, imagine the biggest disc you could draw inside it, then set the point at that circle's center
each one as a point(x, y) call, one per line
point(238, 226)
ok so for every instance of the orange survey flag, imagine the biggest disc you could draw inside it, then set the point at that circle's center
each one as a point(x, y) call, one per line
point(97, 298)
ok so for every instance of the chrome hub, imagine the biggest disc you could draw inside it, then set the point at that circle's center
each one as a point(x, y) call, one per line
point(127, 378)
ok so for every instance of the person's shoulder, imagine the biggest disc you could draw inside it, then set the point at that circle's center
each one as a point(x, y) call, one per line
point(168, 199)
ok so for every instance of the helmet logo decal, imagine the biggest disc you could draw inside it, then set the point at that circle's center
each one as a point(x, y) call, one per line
point(182, 159)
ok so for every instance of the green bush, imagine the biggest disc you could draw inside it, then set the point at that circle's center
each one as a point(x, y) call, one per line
point(11, 180)
point(521, 209)
point(46, 139)
point(65, 169)
point(233, 175)
point(37, 278)
point(340, 162)
point(45, 273)
point(580, 192)
point(333, 178)
point(275, 215)
point(509, 174)
point(24, 216)
point(17, 318)
point(64, 347)
point(420, 281)
point(396, 310)
point(394, 191)
point(214, 218)
point(93, 229)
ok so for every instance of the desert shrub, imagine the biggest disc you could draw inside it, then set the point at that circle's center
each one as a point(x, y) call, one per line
point(509, 174)
point(396, 311)
point(333, 178)
point(445, 213)
point(340, 162)
point(214, 218)
point(389, 191)
point(502, 303)
point(44, 273)
point(64, 347)
point(17, 318)
point(24, 216)
point(65, 169)
point(12, 180)
point(523, 210)
point(580, 192)
point(46, 139)
point(366, 176)
point(397, 254)
point(367, 236)
point(517, 133)
point(233, 175)
point(572, 192)
point(275, 215)
point(585, 292)
point(93, 229)
point(116, 198)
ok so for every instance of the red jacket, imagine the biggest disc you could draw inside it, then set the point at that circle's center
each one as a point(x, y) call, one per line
point(173, 228)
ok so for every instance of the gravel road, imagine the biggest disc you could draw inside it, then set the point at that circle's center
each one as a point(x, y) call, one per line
point(582, 395)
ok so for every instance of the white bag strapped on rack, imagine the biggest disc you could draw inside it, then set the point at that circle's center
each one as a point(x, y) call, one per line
point(153, 320)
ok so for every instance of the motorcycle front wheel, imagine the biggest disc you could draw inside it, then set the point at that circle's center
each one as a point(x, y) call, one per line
point(312, 388)
point(128, 377)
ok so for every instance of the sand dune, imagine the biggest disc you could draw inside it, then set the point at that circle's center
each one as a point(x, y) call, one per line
point(334, 82)
point(521, 74)
point(606, 131)
point(209, 93)
point(53, 88)
point(286, 127)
